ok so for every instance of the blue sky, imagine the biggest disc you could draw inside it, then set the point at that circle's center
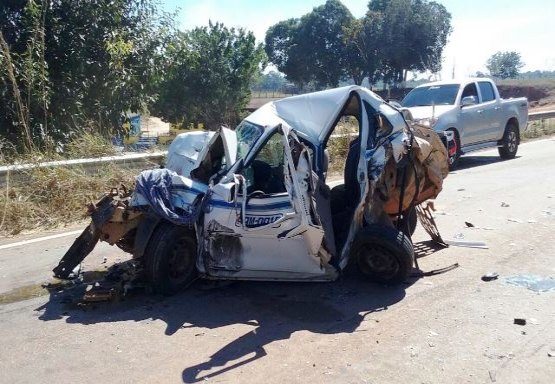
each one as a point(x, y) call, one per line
point(481, 27)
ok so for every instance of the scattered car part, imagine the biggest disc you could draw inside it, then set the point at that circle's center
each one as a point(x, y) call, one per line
point(490, 276)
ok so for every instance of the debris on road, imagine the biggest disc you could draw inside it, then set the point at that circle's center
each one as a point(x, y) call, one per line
point(504, 205)
point(551, 353)
point(490, 276)
point(519, 321)
point(97, 294)
point(426, 218)
point(469, 225)
point(532, 282)
point(492, 376)
point(467, 244)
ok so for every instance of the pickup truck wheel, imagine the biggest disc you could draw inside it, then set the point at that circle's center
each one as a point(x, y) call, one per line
point(454, 152)
point(169, 259)
point(383, 253)
point(510, 142)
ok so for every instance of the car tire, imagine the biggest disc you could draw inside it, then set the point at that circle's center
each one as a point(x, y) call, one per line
point(169, 259)
point(509, 142)
point(383, 254)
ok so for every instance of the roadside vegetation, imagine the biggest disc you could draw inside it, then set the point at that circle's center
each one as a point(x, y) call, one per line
point(53, 197)
point(539, 128)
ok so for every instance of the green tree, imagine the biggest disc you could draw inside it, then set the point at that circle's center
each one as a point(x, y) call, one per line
point(312, 49)
point(76, 64)
point(285, 49)
point(362, 37)
point(505, 65)
point(328, 45)
point(413, 34)
point(322, 38)
point(271, 81)
point(208, 77)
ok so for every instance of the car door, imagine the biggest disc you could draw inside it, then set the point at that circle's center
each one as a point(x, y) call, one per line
point(269, 228)
point(471, 118)
point(491, 111)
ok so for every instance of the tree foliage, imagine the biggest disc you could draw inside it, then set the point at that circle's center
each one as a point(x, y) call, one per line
point(70, 65)
point(271, 81)
point(505, 65)
point(77, 63)
point(208, 79)
point(311, 49)
point(328, 44)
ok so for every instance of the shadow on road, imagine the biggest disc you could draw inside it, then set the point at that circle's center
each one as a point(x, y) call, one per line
point(275, 310)
point(466, 162)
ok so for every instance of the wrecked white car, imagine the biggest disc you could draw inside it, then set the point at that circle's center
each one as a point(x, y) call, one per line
point(253, 203)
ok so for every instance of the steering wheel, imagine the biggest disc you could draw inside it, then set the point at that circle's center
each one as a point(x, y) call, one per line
point(257, 193)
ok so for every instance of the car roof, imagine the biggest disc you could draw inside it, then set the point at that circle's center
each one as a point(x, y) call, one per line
point(454, 81)
point(311, 114)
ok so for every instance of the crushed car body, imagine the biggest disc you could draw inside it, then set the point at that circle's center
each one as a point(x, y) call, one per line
point(253, 203)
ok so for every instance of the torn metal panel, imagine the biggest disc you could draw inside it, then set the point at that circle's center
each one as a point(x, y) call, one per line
point(80, 249)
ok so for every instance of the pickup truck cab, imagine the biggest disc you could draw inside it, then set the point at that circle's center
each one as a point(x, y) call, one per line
point(470, 112)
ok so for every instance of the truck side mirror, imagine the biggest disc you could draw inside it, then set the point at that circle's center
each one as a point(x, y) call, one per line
point(469, 100)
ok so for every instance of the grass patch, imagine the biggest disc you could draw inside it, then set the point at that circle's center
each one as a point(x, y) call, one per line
point(539, 128)
point(44, 198)
point(84, 145)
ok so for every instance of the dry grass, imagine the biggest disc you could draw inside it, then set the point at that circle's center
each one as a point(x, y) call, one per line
point(42, 198)
point(539, 128)
point(89, 145)
point(338, 146)
point(51, 197)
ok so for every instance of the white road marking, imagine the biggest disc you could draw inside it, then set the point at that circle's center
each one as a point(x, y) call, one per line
point(38, 239)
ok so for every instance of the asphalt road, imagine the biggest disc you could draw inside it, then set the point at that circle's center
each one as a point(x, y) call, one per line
point(445, 328)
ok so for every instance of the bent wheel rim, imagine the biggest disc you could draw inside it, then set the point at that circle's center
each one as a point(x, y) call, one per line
point(179, 262)
point(378, 261)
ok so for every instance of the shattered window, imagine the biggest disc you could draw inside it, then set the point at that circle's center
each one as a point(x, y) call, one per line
point(265, 172)
point(247, 135)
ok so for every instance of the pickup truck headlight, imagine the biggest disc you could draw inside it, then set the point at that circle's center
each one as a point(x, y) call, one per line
point(427, 122)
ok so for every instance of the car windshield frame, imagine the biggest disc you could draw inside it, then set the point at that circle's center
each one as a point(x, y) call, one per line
point(442, 94)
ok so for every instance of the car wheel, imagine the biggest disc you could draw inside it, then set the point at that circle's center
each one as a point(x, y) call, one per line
point(169, 259)
point(383, 254)
point(510, 142)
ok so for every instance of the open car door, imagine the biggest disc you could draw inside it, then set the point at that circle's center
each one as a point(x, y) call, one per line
point(269, 228)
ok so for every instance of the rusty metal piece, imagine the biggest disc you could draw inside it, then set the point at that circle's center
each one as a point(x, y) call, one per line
point(80, 248)
point(424, 212)
point(111, 220)
point(98, 294)
point(122, 221)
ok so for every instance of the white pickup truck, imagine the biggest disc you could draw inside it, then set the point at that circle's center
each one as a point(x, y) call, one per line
point(470, 114)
